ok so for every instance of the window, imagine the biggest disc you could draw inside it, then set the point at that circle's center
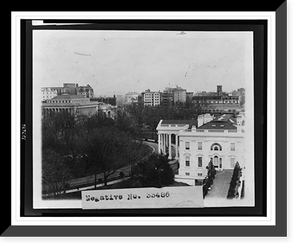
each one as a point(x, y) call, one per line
point(232, 146)
point(187, 173)
point(199, 162)
point(187, 145)
point(200, 145)
point(199, 174)
point(187, 161)
point(216, 147)
point(216, 161)
point(232, 161)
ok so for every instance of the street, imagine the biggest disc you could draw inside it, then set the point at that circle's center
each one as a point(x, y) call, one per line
point(87, 182)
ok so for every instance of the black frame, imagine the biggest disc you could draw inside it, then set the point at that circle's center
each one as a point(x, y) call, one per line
point(260, 78)
point(259, 28)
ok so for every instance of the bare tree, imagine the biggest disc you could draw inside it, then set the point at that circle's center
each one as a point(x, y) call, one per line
point(54, 172)
point(107, 149)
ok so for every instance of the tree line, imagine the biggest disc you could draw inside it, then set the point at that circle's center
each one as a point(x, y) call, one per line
point(77, 146)
point(149, 117)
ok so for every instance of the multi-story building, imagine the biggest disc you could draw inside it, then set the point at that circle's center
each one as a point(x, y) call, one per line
point(197, 142)
point(167, 99)
point(173, 96)
point(86, 91)
point(68, 88)
point(218, 102)
point(151, 98)
point(179, 95)
point(50, 92)
point(189, 97)
point(74, 104)
point(131, 97)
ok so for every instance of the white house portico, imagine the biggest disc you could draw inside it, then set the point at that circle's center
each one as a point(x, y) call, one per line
point(168, 134)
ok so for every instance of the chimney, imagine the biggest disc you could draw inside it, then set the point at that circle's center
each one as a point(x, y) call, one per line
point(240, 119)
point(219, 90)
point(200, 120)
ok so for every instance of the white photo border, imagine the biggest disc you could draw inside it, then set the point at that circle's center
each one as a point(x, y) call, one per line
point(270, 219)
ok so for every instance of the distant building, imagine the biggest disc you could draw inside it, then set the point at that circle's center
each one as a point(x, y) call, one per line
point(131, 97)
point(50, 92)
point(189, 96)
point(68, 88)
point(74, 104)
point(151, 98)
point(107, 100)
point(219, 90)
point(179, 95)
point(167, 99)
point(173, 95)
point(120, 100)
point(217, 102)
point(106, 106)
point(86, 91)
point(107, 110)
point(141, 99)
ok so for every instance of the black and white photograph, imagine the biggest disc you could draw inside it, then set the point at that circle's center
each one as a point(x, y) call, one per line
point(149, 124)
point(143, 119)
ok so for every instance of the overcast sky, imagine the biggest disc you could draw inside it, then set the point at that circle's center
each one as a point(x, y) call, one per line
point(117, 62)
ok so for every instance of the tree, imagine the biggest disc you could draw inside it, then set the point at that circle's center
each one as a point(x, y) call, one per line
point(235, 181)
point(107, 149)
point(62, 132)
point(154, 172)
point(126, 122)
point(54, 172)
point(209, 179)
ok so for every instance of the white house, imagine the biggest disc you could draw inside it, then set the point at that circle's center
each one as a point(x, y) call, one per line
point(197, 142)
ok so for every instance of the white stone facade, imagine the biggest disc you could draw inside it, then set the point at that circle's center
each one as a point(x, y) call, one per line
point(198, 147)
point(196, 143)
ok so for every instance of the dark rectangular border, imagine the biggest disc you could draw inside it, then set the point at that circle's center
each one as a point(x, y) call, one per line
point(259, 27)
point(278, 230)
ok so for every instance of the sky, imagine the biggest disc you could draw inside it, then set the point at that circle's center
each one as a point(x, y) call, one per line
point(117, 62)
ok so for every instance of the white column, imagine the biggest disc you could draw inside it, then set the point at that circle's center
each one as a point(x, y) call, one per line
point(170, 147)
point(176, 147)
point(159, 144)
point(163, 144)
point(165, 140)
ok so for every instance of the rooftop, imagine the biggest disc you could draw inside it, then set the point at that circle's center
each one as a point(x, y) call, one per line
point(181, 122)
point(217, 125)
point(225, 121)
point(67, 97)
